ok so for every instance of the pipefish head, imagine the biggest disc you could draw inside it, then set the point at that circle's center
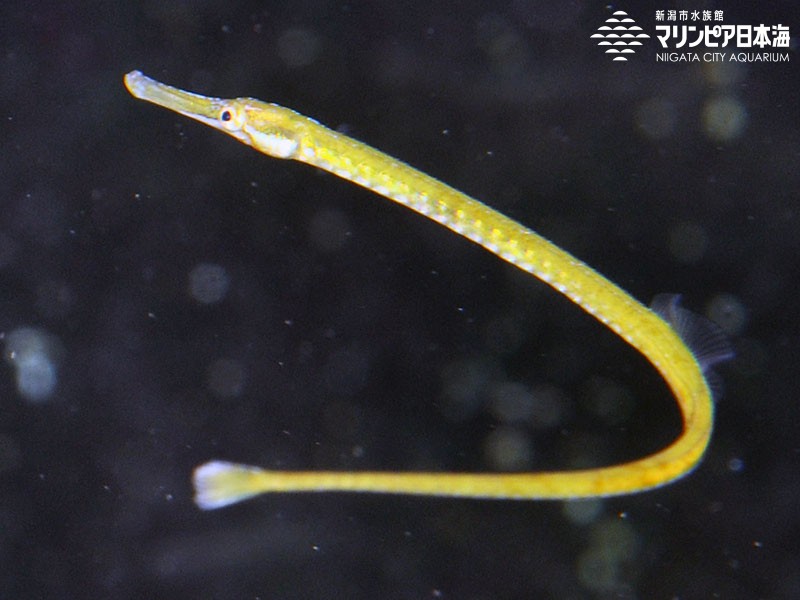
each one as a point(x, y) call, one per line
point(262, 125)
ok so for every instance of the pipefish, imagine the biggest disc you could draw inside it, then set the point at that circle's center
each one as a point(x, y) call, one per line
point(283, 133)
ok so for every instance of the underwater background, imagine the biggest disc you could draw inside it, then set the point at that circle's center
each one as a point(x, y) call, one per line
point(169, 296)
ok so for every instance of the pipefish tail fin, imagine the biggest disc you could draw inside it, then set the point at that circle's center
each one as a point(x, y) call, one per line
point(219, 483)
point(707, 341)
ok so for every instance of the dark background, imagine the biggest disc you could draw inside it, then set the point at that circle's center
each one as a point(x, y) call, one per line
point(354, 333)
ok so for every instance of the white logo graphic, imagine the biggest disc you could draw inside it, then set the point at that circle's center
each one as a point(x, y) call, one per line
point(620, 33)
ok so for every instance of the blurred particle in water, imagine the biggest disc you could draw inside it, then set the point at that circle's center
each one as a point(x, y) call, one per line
point(583, 512)
point(688, 242)
point(724, 118)
point(328, 230)
point(608, 564)
point(503, 44)
point(298, 47)
point(208, 283)
point(226, 378)
point(736, 465)
point(540, 406)
point(727, 311)
point(551, 406)
point(724, 73)
point(464, 383)
point(608, 401)
point(511, 402)
point(34, 354)
point(508, 449)
point(656, 118)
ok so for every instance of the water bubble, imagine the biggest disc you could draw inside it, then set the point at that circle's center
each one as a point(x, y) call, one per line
point(208, 283)
point(727, 311)
point(583, 512)
point(511, 402)
point(34, 354)
point(724, 118)
point(508, 449)
point(328, 230)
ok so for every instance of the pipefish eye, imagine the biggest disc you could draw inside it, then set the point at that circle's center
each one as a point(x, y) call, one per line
point(231, 117)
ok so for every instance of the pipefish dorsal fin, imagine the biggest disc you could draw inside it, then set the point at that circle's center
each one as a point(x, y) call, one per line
point(707, 340)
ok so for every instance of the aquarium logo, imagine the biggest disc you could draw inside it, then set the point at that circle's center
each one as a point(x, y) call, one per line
point(695, 36)
point(620, 36)
point(688, 35)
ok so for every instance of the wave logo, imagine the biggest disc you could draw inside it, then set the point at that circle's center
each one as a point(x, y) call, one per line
point(621, 34)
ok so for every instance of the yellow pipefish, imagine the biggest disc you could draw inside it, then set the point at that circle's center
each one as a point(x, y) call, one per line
point(283, 133)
